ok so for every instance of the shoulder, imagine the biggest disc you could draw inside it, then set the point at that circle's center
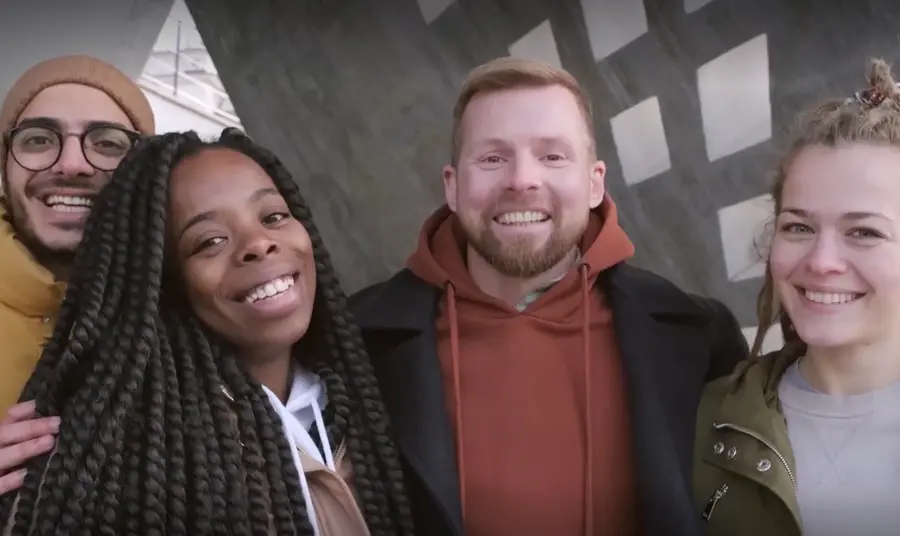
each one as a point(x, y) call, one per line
point(717, 326)
point(661, 294)
point(388, 290)
point(650, 287)
point(401, 302)
point(361, 297)
point(745, 386)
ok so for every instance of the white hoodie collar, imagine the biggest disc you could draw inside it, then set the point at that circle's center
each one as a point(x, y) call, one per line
point(306, 400)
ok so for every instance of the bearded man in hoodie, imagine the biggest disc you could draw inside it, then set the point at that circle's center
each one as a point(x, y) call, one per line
point(537, 383)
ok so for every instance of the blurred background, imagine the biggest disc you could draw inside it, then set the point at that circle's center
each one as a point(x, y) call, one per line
point(692, 99)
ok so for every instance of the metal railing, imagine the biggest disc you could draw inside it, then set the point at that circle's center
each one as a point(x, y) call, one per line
point(176, 82)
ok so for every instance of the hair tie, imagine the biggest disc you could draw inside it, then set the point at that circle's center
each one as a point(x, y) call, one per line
point(870, 97)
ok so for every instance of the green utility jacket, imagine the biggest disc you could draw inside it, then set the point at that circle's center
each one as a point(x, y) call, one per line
point(744, 481)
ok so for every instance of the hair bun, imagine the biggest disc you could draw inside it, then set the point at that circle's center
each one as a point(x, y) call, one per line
point(882, 87)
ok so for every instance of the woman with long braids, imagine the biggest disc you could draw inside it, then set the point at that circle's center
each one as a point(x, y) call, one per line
point(205, 369)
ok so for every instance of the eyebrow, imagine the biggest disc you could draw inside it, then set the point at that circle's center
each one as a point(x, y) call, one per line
point(551, 140)
point(853, 216)
point(57, 124)
point(210, 214)
point(541, 140)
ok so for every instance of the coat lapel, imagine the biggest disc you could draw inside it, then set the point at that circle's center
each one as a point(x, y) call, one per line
point(661, 340)
point(400, 332)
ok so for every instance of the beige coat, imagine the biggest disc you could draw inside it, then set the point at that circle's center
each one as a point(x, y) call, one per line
point(337, 511)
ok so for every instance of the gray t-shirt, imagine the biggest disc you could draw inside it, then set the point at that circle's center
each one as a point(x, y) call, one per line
point(847, 452)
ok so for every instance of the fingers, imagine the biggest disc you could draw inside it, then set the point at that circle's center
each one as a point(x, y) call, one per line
point(19, 412)
point(23, 435)
point(12, 433)
point(12, 456)
point(12, 481)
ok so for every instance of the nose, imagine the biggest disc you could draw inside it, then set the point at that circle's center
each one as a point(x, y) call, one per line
point(825, 257)
point(523, 175)
point(258, 248)
point(71, 162)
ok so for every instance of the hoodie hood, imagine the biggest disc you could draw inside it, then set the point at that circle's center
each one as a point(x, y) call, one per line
point(439, 258)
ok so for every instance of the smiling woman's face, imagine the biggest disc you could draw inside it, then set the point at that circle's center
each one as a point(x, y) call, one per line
point(836, 250)
point(246, 264)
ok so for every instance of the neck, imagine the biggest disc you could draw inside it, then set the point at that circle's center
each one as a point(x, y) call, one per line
point(271, 368)
point(851, 370)
point(56, 266)
point(508, 289)
point(58, 263)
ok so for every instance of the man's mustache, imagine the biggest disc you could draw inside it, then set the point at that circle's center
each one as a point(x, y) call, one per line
point(36, 186)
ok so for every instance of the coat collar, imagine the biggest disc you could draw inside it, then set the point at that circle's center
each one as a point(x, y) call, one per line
point(25, 285)
point(752, 392)
point(377, 308)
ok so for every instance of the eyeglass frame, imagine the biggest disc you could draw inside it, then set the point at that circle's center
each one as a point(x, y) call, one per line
point(8, 136)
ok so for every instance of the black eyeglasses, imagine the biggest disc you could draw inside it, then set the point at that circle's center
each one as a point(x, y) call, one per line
point(38, 148)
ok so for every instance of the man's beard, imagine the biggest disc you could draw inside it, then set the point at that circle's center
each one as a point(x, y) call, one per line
point(24, 232)
point(518, 257)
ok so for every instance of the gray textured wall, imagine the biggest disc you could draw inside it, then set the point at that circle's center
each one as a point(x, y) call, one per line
point(692, 100)
point(121, 32)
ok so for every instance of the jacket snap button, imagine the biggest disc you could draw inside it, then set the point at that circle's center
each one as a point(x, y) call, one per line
point(763, 465)
point(718, 448)
point(732, 452)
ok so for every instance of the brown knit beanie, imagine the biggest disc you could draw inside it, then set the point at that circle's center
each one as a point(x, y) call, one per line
point(77, 69)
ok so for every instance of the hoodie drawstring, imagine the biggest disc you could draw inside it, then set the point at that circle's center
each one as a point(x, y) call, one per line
point(588, 417)
point(583, 270)
point(298, 437)
point(457, 395)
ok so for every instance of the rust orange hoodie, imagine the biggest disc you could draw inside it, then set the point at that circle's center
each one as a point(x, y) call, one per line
point(537, 398)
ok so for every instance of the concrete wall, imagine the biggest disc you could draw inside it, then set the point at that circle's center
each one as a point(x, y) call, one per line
point(121, 32)
point(692, 100)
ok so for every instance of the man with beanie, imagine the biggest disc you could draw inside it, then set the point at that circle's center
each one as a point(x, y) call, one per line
point(537, 384)
point(65, 124)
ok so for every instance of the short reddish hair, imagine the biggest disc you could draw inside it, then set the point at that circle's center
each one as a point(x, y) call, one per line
point(510, 73)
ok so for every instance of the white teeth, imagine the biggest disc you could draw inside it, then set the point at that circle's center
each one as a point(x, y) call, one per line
point(281, 285)
point(512, 218)
point(830, 298)
point(69, 203)
point(270, 289)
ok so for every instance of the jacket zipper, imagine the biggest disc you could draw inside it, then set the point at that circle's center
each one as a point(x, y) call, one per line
point(339, 452)
point(765, 442)
point(713, 501)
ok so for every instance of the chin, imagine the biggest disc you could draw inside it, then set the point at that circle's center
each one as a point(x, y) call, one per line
point(284, 333)
point(63, 247)
point(266, 339)
point(827, 336)
point(58, 241)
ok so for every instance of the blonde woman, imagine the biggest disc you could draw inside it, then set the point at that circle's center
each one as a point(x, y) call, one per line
point(806, 440)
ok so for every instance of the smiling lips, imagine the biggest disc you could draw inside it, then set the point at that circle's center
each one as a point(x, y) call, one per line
point(270, 289)
point(830, 298)
point(522, 218)
point(69, 203)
